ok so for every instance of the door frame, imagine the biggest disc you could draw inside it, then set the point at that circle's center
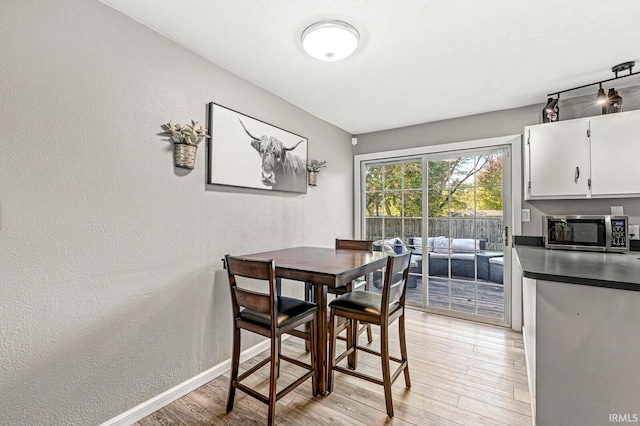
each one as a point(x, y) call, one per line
point(514, 222)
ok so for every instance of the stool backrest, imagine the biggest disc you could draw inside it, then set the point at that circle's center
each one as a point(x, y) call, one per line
point(395, 280)
point(243, 298)
point(363, 245)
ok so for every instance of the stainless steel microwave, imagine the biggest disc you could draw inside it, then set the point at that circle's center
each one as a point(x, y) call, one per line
point(587, 232)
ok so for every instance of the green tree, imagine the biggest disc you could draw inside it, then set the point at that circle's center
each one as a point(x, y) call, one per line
point(489, 183)
point(450, 180)
point(395, 189)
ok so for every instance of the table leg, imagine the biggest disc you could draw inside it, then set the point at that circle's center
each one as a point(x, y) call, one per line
point(321, 343)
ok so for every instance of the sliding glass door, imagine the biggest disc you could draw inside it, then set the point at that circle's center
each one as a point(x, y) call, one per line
point(449, 209)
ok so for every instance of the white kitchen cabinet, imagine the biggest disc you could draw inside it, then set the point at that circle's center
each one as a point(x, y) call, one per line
point(587, 157)
point(558, 160)
point(615, 153)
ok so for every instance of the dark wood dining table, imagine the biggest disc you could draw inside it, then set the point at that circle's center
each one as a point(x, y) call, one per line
point(323, 268)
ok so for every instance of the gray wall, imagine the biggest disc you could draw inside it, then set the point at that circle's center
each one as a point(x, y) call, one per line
point(509, 122)
point(111, 283)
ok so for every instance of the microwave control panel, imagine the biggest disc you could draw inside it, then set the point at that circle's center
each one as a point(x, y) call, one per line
point(618, 233)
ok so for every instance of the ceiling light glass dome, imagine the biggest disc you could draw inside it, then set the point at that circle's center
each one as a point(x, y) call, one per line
point(330, 40)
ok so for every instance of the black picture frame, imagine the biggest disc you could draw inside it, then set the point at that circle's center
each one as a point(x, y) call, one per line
point(249, 153)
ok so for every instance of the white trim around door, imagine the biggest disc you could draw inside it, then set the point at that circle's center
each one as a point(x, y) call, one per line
point(515, 222)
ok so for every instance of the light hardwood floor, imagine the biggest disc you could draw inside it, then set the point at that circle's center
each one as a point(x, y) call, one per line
point(462, 373)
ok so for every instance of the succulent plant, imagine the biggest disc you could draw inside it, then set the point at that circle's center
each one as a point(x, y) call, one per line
point(186, 134)
point(316, 165)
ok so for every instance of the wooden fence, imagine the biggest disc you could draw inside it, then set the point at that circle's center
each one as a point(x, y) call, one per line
point(486, 228)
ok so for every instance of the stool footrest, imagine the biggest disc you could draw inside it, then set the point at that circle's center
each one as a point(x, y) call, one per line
point(296, 362)
point(253, 369)
point(359, 375)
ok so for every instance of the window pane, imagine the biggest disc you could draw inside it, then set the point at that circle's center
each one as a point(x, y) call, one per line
point(490, 229)
point(438, 202)
point(490, 300)
point(374, 178)
point(413, 204)
point(439, 293)
point(463, 227)
point(438, 174)
point(438, 227)
point(463, 296)
point(374, 204)
point(373, 228)
point(412, 228)
point(462, 171)
point(393, 176)
point(489, 198)
point(393, 203)
point(462, 202)
point(413, 175)
point(392, 228)
point(491, 172)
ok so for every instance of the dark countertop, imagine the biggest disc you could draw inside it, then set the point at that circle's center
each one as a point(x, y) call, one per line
point(611, 270)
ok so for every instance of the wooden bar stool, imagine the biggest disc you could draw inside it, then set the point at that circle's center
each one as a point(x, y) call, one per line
point(381, 310)
point(358, 284)
point(270, 315)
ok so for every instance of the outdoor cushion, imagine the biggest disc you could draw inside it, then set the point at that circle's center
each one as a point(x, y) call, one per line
point(461, 256)
point(399, 246)
point(497, 260)
point(391, 246)
point(415, 244)
point(462, 244)
point(441, 245)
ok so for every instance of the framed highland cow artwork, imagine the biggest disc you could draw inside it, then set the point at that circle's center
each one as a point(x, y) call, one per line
point(249, 153)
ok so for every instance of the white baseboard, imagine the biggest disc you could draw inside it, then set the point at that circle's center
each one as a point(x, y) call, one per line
point(154, 404)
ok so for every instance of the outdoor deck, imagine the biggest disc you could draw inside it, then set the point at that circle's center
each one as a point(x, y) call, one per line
point(489, 296)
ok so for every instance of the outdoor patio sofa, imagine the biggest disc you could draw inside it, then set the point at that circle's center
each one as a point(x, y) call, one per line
point(462, 252)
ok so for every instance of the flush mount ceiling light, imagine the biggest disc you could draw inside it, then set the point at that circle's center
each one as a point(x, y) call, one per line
point(330, 40)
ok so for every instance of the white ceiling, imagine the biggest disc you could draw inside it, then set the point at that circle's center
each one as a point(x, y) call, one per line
point(418, 60)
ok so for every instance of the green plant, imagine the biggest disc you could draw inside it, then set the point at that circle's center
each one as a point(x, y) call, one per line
point(316, 165)
point(186, 134)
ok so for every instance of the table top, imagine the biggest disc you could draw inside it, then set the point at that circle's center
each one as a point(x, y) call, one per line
point(320, 265)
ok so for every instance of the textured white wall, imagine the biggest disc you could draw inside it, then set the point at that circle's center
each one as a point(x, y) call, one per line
point(110, 274)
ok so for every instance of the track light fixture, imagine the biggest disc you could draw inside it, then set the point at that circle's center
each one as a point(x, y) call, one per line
point(551, 111)
point(601, 99)
point(614, 101)
point(611, 101)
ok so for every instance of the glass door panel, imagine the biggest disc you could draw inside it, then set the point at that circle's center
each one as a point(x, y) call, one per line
point(465, 236)
point(448, 210)
point(393, 216)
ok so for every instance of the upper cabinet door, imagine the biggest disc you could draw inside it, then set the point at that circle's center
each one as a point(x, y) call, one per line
point(558, 160)
point(615, 153)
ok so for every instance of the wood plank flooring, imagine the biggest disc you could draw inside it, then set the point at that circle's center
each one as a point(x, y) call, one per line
point(462, 373)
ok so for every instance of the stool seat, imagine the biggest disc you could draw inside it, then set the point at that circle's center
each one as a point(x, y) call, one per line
point(289, 311)
point(365, 303)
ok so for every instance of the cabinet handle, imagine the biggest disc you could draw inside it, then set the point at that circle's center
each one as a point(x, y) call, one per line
point(577, 174)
